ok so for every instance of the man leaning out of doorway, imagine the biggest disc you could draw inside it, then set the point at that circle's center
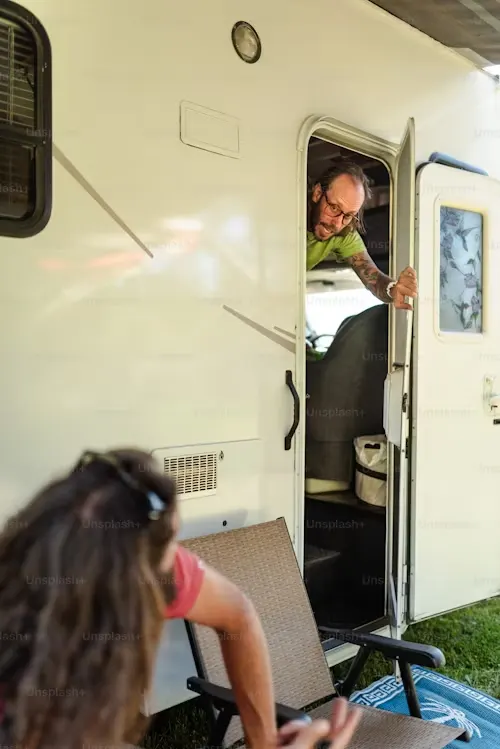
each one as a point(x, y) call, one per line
point(335, 219)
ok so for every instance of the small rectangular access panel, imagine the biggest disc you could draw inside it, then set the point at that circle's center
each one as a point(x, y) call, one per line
point(210, 130)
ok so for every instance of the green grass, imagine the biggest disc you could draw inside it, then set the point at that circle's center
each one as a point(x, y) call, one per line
point(469, 639)
point(182, 727)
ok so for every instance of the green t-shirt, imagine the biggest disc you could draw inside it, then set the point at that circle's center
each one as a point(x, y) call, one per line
point(341, 247)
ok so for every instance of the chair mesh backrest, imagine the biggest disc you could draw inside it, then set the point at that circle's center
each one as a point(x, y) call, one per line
point(260, 560)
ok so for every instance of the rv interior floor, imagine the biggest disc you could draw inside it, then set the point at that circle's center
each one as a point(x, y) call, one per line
point(344, 560)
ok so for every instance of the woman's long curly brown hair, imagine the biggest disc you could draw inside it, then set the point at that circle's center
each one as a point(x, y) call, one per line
point(81, 604)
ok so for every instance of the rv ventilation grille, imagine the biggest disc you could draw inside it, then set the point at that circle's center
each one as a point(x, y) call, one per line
point(194, 475)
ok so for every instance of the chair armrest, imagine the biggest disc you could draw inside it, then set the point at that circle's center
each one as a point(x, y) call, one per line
point(414, 653)
point(222, 698)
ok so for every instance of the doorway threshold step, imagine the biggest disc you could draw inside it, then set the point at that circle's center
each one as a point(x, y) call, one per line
point(320, 573)
point(313, 555)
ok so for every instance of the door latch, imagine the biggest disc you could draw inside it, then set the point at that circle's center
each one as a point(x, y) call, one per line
point(490, 398)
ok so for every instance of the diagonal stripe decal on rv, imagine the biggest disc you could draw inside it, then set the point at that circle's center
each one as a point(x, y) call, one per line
point(288, 345)
point(71, 169)
point(285, 332)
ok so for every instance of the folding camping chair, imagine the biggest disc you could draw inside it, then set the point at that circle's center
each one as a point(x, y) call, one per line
point(261, 561)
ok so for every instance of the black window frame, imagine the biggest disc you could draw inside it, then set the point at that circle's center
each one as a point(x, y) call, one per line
point(41, 139)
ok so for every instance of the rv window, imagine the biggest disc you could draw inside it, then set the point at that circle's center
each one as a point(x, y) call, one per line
point(25, 123)
point(461, 269)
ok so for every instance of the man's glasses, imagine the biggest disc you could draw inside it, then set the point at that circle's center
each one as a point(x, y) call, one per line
point(335, 212)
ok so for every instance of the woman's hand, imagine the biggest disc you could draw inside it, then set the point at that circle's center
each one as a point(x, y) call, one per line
point(339, 732)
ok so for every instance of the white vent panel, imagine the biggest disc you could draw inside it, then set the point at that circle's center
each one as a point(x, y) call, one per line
point(210, 130)
point(195, 475)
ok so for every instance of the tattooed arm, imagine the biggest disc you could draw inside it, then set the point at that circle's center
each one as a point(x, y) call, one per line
point(374, 280)
point(377, 282)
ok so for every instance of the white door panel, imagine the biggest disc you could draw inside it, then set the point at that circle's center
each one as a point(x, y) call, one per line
point(455, 507)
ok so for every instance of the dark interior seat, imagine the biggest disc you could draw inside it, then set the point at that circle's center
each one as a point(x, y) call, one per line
point(346, 394)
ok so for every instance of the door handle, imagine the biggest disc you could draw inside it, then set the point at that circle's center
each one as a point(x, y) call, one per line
point(491, 398)
point(296, 409)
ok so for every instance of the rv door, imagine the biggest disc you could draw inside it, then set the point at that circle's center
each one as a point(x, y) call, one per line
point(455, 508)
point(397, 383)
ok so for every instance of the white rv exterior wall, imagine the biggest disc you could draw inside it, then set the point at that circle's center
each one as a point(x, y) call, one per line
point(104, 345)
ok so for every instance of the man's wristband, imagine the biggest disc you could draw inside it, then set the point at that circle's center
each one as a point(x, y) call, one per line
point(390, 286)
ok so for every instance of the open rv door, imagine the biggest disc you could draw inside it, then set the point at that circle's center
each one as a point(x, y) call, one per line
point(455, 508)
point(396, 397)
